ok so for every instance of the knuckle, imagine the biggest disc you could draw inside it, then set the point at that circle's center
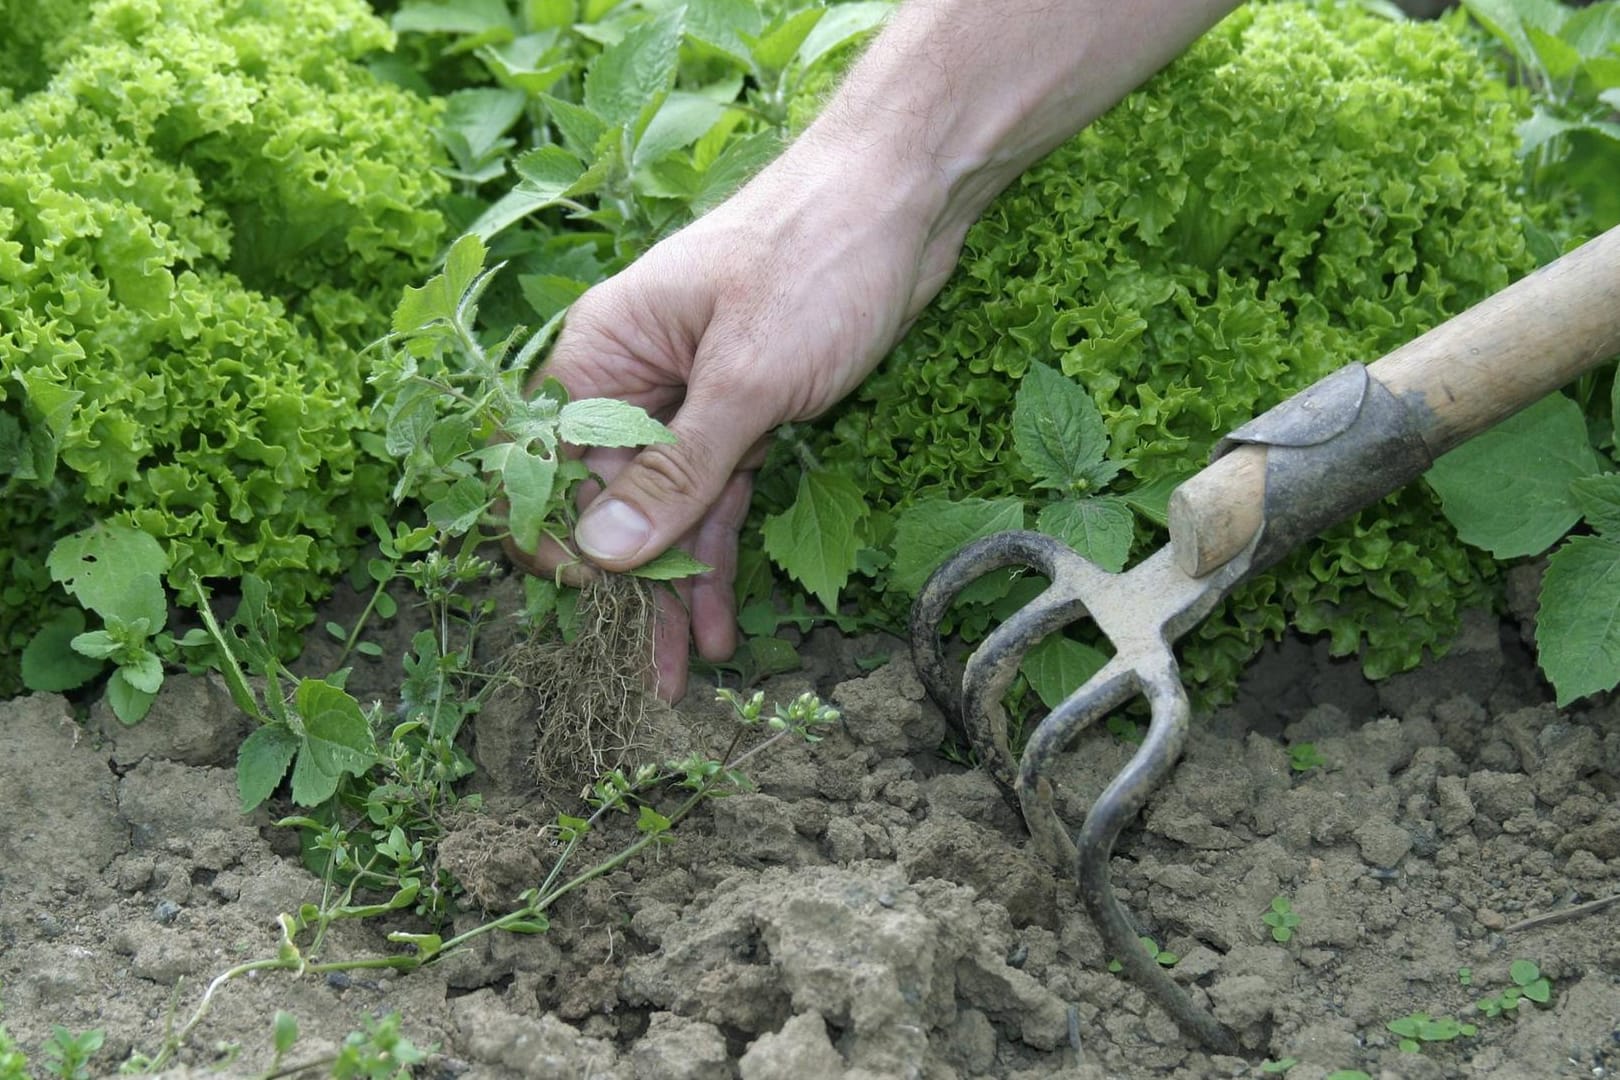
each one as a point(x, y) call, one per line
point(674, 469)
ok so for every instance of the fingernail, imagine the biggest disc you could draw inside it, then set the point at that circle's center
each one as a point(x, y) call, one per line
point(612, 530)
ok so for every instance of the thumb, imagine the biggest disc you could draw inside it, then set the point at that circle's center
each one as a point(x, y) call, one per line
point(667, 488)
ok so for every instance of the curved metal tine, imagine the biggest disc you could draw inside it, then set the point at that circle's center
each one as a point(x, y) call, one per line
point(995, 552)
point(1119, 803)
point(994, 664)
point(1115, 683)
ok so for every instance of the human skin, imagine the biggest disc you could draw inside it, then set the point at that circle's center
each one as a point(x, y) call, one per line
point(776, 304)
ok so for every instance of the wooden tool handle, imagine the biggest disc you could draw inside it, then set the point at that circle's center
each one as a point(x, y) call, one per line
point(1457, 380)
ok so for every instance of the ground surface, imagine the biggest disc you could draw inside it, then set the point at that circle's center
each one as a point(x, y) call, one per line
point(873, 910)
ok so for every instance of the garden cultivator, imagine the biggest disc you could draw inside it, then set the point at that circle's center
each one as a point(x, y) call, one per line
point(1313, 461)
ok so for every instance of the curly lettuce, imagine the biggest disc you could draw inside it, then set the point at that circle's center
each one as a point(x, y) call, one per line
point(205, 213)
point(1308, 186)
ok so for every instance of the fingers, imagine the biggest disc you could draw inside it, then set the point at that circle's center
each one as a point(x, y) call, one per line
point(668, 488)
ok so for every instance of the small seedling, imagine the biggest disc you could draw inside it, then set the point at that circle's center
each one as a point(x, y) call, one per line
point(1528, 982)
point(1277, 1068)
point(68, 1055)
point(1281, 919)
point(1465, 976)
point(1303, 757)
point(1419, 1028)
point(1162, 957)
point(1348, 1074)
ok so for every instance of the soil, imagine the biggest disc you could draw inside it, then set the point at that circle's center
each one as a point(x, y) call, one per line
point(873, 910)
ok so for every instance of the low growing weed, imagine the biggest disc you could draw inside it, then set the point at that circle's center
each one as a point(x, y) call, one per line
point(1420, 1028)
point(1162, 957)
point(1281, 919)
point(1529, 984)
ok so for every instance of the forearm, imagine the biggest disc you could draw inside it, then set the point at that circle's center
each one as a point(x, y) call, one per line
point(955, 98)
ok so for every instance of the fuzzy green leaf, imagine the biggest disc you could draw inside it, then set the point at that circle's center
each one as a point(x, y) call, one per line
point(1508, 490)
point(1059, 433)
point(841, 24)
point(609, 422)
point(129, 703)
point(816, 539)
point(437, 300)
point(775, 49)
point(640, 67)
point(935, 529)
point(1578, 626)
point(670, 565)
point(528, 480)
point(1058, 666)
point(1100, 528)
point(261, 762)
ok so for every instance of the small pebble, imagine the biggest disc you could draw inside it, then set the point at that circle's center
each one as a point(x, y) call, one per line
point(166, 912)
point(1490, 919)
point(338, 980)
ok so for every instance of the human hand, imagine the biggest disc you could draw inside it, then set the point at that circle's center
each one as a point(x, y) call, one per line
point(769, 309)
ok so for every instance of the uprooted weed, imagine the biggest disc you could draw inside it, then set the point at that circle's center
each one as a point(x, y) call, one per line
point(588, 691)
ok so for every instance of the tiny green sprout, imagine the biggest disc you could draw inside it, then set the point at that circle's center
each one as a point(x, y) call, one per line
point(1162, 957)
point(1528, 984)
point(1281, 919)
point(1303, 757)
point(1419, 1028)
point(68, 1055)
point(1465, 976)
point(1347, 1074)
point(1277, 1068)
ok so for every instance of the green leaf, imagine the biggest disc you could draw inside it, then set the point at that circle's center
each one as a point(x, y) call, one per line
point(1057, 666)
point(1539, 991)
point(1578, 626)
point(1100, 528)
point(1152, 500)
point(775, 49)
point(609, 422)
point(528, 480)
point(720, 24)
point(49, 662)
point(459, 509)
point(651, 821)
point(841, 24)
point(1524, 972)
point(1508, 489)
point(739, 161)
point(1059, 434)
point(931, 531)
point(672, 564)
point(457, 17)
point(129, 703)
point(582, 130)
point(641, 66)
point(143, 671)
point(815, 540)
point(261, 762)
point(437, 300)
point(1598, 497)
point(114, 571)
point(336, 734)
point(285, 1028)
point(680, 121)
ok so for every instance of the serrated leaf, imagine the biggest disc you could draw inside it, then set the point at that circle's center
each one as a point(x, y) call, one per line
point(641, 66)
point(1578, 625)
point(459, 509)
point(815, 540)
point(720, 25)
point(672, 564)
point(1059, 433)
point(114, 571)
point(476, 119)
point(436, 301)
point(680, 121)
point(1598, 498)
point(336, 734)
point(935, 529)
point(1058, 666)
point(50, 663)
point(310, 785)
point(581, 129)
point(261, 762)
point(1100, 528)
point(609, 422)
point(1507, 490)
point(738, 162)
